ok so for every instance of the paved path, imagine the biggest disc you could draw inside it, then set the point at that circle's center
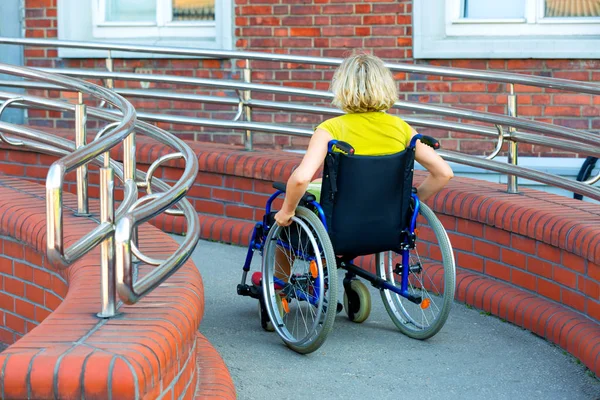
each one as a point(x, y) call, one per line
point(474, 356)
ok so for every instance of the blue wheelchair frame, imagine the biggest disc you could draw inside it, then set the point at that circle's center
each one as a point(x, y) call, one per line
point(261, 230)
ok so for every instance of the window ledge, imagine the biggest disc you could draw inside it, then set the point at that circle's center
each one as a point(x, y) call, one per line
point(577, 47)
point(433, 41)
point(79, 26)
point(192, 43)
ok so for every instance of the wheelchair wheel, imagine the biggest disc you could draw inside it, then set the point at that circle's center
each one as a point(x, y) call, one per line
point(300, 275)
point(357, 301)
point(432, 277)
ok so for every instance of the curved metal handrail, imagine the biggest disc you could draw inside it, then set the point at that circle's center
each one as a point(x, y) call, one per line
point(58, 170)
point(2, 108)
point(430, 123)
point(577, 187)
point(122, 125)
point(552, 83)
point(152, 131)
point(416, 121)
point(129, 290)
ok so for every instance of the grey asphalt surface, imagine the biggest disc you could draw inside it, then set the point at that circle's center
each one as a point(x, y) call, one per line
point(475, 356)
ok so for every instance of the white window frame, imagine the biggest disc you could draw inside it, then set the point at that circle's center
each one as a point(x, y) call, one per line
point(83, 20)
point(440, 32)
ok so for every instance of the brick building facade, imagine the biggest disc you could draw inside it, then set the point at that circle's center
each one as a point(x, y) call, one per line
point(332, 28)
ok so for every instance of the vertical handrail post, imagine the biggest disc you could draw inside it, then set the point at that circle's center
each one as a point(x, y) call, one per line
point(246, 96)
point(129, 168)
point(109, 68)
point(107, 248)
point(82, 172)
point(512, 183)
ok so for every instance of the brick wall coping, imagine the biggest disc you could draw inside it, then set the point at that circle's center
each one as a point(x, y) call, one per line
point(151, 350)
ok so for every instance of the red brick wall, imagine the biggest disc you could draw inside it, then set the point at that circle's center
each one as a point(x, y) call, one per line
point(29, 291)
point(332, 28)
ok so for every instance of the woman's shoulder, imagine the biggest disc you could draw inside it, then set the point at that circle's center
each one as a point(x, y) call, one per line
point(337, 118)
point(398, 120)
point(332, 123)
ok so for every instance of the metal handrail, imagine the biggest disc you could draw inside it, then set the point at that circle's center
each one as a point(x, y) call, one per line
point(496, 166)
point(536, 126)
point(551, 83)
point(520, 137)
point(152, 131)
point(57, 254)
point(567, 138)
point(454, 112)
point(550, 179)
point(119, 276)
point(170, 196)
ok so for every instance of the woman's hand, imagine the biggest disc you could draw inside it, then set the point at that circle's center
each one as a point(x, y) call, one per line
point(283, 219)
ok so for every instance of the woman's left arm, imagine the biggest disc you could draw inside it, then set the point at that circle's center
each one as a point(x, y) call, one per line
point(300, 178)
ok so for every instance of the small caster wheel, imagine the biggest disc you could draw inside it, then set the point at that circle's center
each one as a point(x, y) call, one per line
point(265, 322)
point(357, 301)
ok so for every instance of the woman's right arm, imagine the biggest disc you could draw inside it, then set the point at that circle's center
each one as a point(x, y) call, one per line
point(439, 170)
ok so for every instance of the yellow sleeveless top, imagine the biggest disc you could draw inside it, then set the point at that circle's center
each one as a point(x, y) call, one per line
point(371, 133)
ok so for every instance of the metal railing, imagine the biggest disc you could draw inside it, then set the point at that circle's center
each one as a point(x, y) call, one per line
point(509, 129)
point(506, 130)
point(116, 230)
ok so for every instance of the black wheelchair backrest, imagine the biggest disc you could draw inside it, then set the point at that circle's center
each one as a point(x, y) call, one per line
point(366, 201)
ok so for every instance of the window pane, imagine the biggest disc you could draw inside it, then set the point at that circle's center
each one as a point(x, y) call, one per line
point(501, 9)
point(193, 10)
point(131, 10)
point(572, 8)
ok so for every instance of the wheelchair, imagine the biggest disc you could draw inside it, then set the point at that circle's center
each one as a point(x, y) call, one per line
point(367, 206)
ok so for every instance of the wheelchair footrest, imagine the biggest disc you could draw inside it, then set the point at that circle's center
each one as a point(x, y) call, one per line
point(414, 299)
point(249, 290)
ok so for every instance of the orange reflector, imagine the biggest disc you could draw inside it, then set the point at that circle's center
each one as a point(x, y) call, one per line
point(286, 305)
point(417, 231)
point(425, 303)
point(314, 270)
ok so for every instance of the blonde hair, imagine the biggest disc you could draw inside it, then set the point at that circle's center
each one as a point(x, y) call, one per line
point(362, 83)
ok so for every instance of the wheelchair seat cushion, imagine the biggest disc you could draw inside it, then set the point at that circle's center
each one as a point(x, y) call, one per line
point(366, 201)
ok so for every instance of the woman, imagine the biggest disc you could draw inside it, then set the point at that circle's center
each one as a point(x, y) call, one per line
point(364, 88)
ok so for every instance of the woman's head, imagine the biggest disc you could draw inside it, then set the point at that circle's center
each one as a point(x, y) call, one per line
point(363, 83)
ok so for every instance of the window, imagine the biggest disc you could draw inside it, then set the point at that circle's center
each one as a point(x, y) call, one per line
point(507, 29)
point(183, 23)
